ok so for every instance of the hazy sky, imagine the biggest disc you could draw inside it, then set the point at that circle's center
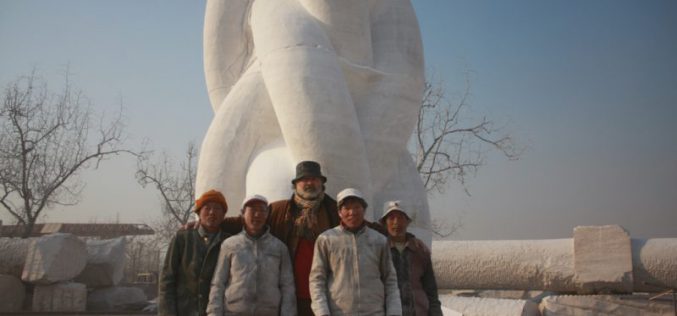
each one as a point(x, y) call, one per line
point(589, 86)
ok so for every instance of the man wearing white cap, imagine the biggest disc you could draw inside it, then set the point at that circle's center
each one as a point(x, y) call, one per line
point(297, 222)
point(411, 258)
point(352, 273)
point(254, 274)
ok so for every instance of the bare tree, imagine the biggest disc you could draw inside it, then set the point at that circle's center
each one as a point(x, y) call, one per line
point(176, 187)
point(451, 145)
point(143, 255)
point(444, 228)
point(46, 140)
point(448, 143)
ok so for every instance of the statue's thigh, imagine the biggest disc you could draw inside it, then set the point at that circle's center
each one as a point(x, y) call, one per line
point(244, 123)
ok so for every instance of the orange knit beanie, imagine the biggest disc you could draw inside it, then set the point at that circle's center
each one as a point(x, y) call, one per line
point(211, 196)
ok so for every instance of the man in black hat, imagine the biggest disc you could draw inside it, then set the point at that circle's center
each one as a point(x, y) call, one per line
point(299, 220)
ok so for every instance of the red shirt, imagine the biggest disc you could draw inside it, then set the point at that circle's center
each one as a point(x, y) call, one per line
point(302, 263)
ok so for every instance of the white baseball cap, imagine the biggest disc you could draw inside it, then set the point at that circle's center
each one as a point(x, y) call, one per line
point(254, 197)
point(350, 193)
point(391, 206)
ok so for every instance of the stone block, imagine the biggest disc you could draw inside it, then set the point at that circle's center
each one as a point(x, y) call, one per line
point(475, 306)
point(60, 297)
point(54, 258)
point(597, 305)
point(13, 293)
point(116, 299)
point(14, 251)
point(602, 259)
point(105, 263)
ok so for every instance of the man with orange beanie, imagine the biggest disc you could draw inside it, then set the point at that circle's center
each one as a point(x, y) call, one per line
point(191, 259)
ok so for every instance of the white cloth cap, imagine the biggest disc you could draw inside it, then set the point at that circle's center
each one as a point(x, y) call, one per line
point(254, 197)
point(392, 206)
point(350, 192)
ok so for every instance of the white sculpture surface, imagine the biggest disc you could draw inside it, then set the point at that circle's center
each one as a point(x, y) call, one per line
point(334, 81)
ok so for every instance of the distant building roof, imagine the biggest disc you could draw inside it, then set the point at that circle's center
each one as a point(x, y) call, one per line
point(84, 230)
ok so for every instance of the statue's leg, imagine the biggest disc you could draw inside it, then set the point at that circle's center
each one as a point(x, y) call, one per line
point(243, 125)
point(388, 112)
point(309, 93)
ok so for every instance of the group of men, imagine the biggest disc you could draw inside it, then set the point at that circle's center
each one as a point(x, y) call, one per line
point(308, 255)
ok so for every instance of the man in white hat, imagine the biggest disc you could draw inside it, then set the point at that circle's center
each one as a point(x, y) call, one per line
point(297, 222)
point(254, 274)
point(352, 272)
point(411, 258)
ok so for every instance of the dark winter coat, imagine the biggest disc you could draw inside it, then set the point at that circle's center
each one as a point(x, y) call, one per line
point(187, 274)
point(416, 279)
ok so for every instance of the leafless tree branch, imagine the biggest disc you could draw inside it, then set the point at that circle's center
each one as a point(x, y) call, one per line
point(176, 186)
point(46, 144)
point(448, 144)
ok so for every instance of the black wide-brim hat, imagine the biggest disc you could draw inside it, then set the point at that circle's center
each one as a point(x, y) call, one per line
point(308, 169)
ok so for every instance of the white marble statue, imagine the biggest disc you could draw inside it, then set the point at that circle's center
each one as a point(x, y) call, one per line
point(334, 81)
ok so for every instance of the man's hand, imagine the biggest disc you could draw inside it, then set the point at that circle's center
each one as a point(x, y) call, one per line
point(190, 225)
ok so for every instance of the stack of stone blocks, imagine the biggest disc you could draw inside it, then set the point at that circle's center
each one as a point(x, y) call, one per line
point(601, 271)
point(66, 273)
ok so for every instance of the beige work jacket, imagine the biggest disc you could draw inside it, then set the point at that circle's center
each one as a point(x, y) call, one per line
point(352, 274)
point(253, 277)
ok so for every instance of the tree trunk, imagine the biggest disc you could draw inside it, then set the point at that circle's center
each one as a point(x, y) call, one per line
point(28, 229)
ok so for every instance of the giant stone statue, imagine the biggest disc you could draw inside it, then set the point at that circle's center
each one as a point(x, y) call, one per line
point(335, 81)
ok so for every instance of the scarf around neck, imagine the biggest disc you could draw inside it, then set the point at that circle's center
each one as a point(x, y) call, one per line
point(306, 223)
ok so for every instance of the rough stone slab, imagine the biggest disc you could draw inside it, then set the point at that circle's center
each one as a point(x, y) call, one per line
point(14, 251)
point(475, 306)
point(504, 264)
point(594, 305)
point(12, 294)
point(602, 259)
point(60, 297)
point(54, 258)
point(116, 299)
point(105, 263)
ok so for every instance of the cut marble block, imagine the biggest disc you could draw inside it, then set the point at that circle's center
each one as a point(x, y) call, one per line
point(654, 264)
point(602, 259)
point(105, 263)
point(504, 264)
point(116, 299)
point(60, 297)
point(54, 258)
